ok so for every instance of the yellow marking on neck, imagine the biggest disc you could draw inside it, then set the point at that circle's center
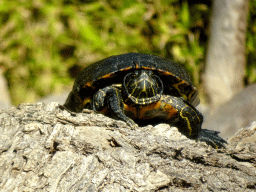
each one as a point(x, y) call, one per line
point(188, 123)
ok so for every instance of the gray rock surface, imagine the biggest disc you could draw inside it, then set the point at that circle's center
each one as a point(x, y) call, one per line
point(239, 112)
point(44, 148)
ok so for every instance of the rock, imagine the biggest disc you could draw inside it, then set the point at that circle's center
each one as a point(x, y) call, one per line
point(45, 148)
point(239, 112)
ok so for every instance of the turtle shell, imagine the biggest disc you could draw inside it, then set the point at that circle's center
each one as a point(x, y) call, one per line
point(112, 70)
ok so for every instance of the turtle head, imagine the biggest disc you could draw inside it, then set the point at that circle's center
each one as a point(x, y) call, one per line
point(142, 87)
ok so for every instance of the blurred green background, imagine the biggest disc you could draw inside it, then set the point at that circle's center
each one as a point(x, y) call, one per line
point(45, 43)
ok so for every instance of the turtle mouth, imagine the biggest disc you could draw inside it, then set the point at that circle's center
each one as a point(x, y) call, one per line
point(142, 87)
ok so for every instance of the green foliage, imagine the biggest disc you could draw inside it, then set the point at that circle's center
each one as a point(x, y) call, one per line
point(44, 43)
point(251, 44)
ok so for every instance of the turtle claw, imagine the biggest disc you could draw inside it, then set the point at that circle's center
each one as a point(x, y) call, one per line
point(131, 124)
point(212, 138)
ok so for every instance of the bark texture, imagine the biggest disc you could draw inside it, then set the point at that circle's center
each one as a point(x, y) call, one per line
point(44, 148)
point(225, 61)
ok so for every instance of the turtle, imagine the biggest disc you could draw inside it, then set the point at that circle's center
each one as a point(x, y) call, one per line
point(142, 88)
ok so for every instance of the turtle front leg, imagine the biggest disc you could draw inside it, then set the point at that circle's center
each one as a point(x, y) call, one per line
point(110, 98)
point(190, 121)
